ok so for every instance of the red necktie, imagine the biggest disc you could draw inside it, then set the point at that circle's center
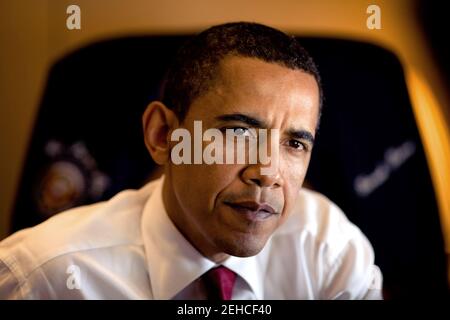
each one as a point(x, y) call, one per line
point(219, 283)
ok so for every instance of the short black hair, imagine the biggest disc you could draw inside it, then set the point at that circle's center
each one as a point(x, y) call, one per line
point(195, 65)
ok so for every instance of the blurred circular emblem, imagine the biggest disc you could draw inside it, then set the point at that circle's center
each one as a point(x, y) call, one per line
point(61, 187)
point(70, 179)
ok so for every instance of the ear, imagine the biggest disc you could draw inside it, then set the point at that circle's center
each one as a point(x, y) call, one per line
point(158, 122)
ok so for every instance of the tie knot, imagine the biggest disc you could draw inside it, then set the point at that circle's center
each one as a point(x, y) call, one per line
point(219, 283)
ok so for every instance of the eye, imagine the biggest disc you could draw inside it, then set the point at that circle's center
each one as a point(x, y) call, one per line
point(297, 145)
point(242, 132)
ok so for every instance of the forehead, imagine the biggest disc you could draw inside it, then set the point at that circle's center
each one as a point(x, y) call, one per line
point(269, 90)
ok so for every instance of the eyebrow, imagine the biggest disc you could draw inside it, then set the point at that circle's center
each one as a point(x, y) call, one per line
point(242, 118)
point(302, 135)
point(257, 123)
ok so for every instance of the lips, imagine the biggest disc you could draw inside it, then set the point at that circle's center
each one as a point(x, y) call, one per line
point(252, 210)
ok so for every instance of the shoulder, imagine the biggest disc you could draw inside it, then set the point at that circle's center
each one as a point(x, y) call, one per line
point(333, 256)
point(317, 217)
point(98, 228)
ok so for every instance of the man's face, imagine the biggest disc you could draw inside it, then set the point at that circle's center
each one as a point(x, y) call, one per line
point(233, 208)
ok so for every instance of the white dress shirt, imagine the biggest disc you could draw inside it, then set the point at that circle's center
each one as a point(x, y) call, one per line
point(128, 248)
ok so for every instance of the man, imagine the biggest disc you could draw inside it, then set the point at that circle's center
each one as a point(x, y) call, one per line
point(210, 230)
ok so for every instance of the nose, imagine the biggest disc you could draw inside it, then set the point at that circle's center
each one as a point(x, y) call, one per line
point(252, 176)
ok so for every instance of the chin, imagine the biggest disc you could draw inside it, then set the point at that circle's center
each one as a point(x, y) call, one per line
point(243, 247)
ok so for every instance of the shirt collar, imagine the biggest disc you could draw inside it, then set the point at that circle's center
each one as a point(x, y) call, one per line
point(251, 270)
point(173, 263)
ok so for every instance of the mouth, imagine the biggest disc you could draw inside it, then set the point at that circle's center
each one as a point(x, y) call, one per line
point(251, 210)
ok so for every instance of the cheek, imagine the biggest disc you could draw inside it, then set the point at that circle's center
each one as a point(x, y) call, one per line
point(199, 185)
point(217, 178)
point(293, 168)
point(293, 173)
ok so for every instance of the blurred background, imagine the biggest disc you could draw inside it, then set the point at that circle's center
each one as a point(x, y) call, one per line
point(71, 101)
